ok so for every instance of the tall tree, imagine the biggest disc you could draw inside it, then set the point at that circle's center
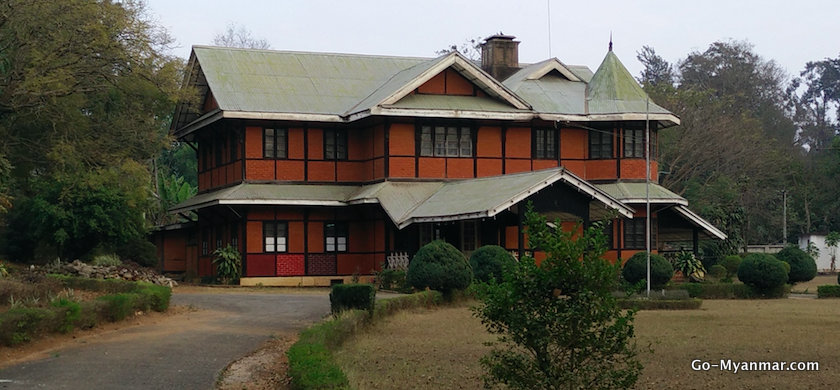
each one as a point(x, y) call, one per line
point(239, 36)
point(657, 71)
point(86, 95)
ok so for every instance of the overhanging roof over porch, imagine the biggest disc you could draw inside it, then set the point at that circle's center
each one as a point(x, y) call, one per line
point(408, 202)
point(634, 192)
point(696, 220)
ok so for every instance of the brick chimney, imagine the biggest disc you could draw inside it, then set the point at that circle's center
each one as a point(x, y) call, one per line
point(500, 56)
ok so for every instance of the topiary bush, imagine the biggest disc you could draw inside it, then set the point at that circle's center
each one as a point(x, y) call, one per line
point(352, 296)
point(489, 261)
point(762, 272)
point(731, 263)
point(802, 266)
point(635, 270)
point(439, 266)
point(718, 271)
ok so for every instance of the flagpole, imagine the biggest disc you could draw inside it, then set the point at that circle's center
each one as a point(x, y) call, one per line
point(647, 189)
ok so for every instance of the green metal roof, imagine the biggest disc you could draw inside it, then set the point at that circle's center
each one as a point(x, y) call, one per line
point(295, 82)
point(634, 192)
point(612, 90)
point(409, 202)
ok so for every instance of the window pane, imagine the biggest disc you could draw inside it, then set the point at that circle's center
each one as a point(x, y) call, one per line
point(426, 141)
point(466, 142)
point(329, 145)
point(440, 141)
point(550, 144)
point(452, 141)
point(268, 143)
point(280, 142)
point(281, 244)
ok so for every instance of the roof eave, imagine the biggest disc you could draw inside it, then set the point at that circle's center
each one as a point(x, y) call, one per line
point(438, 113)
point(700, 222)
point(202, 121)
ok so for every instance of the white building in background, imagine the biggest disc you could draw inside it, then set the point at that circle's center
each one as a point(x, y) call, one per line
point(825, 253)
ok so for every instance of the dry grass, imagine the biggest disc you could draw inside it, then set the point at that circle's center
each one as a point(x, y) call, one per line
point(425, 349)
point(810, 287)
point(440, 349)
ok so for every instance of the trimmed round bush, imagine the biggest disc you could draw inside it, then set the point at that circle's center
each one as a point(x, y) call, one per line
point(802, 266)
point(635, 270)
point(762, 272)
point(718, 271)
point(439, 266)
point(838, 278)
point(488, 262)
point(731, 263)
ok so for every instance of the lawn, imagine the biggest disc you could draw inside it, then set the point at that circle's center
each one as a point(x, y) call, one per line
point(440, 348)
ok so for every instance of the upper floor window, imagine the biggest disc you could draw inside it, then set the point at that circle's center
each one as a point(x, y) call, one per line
point(335, 144)
point(234, 146)
point(275, 236)
point(335, 237)
point(634, 143)
point(446, 141)
point(600, 144)
point(545, 143)
point(275, 143)
point(634, 233)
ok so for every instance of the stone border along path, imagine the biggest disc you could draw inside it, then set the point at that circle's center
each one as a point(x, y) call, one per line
point(185, 351)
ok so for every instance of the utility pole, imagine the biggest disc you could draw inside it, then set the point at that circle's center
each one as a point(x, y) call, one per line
point(784, 216)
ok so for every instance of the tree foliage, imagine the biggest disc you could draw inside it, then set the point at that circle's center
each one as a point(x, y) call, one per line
point(558, 323)
point(470, 48)
point(239, 36)
point(86, 96)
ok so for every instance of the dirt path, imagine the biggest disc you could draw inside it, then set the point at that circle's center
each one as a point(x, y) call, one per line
point(185, 351)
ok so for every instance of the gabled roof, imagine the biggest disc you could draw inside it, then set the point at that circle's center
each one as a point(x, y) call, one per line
point(329, 87)
point(403, 83)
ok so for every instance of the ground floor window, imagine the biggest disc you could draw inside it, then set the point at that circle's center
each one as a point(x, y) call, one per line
point(429, 233)
point(469, 236)
point(275, 236)
point(335, 237)
point(634, 233)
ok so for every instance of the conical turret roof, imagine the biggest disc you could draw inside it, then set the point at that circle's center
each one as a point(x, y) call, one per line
point(613, 90)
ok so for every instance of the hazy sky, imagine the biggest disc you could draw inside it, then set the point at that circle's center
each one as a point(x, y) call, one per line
point(789, 32)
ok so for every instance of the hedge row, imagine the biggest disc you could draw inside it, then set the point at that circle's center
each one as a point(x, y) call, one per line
point(22, 324)
point(311, 365)
point(731, 291)
point(828, 291)
point(660, 304)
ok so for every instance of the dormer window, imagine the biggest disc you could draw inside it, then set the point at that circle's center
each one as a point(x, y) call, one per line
point(600, 144)
point(446, 141)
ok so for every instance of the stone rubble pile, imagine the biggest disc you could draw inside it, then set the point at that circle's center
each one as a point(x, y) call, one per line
point(77, 268)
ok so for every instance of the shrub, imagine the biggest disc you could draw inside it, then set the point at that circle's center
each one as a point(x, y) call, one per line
point(731, 263)
point(838, 278)
point(802, 266)
point(106, 260)
point(828, 291)
point(139, 250)
point(3, 271)
point(489, 261)
point(118, 306)
point(352, 296)
point(439, 266)
point(762, 272)
point(21, 324)
point(660, 304)
point(718, 271)
point(393, 279)
point(158, 296)
point(71, 313)
point(635, 270)
point(558, 324)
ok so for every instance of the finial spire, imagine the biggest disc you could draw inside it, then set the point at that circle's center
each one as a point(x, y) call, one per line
point(610, 40)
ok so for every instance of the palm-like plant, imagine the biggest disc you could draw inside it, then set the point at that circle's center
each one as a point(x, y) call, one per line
point(831, 240)
point(690, 266)
point(228, 262)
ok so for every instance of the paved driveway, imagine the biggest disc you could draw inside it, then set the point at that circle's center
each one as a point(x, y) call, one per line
point(185, 351)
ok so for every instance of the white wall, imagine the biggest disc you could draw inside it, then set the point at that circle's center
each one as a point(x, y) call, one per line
point(824, 258)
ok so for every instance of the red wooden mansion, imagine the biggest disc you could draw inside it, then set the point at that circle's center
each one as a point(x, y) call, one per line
point(319, 166)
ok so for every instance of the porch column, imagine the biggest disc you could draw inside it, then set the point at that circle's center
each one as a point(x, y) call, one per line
point(521, 235)
point(695, 241)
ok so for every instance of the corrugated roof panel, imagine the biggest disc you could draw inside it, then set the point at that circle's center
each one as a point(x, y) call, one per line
point(447, 102)
point(634, 192)
point(613, 90)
